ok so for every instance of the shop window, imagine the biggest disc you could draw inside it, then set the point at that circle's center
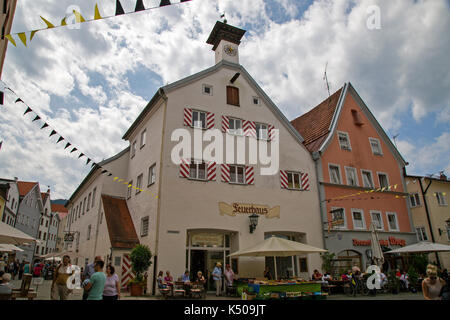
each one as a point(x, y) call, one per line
point(294, 180)
point(197, 170)
point(421, 234)
point(441, 199)
point(237, 174)
point(335, 174)
point(199, 119)
point(232, 95)
point(376, 147)
point(303, 265)
point(414, 200)
point(344, 140)
point(358, 219)
point(367, 179)
point(383, 179)
point(262, 132)
point(352, 176)
point(235, 126)
point(152, 175)
point(377, 220)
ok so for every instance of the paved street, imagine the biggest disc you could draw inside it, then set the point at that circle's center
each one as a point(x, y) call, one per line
point(44, 294)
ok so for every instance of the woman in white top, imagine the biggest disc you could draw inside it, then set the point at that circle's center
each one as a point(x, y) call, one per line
point(432, 285)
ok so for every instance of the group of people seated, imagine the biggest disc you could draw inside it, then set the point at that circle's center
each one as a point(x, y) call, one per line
point(168, 281)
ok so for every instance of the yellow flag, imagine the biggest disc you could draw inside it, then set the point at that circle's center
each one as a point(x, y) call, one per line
point(23, 38)
point(10, 38)
point(63, 22)
point(97, 15)
point(48, 23)
point(32, 34)
point(115, 178)
point(78, 17)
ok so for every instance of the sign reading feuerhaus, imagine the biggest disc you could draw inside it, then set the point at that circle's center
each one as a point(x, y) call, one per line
point(244, 208)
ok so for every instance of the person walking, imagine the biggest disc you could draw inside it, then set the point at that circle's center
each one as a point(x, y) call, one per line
point(112, 285)
point(26, 267)
point(21, 269)
point(217, 277)
point(432, 285)
point(96, 283)
point(87, 273)
point(59, 289)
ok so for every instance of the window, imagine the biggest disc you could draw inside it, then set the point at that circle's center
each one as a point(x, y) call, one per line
point(129, 189)
point(255, 100)
point(84, 205)
point(101, 217)
point(46, 223)
point(89, 232)
point(40, 235)
point(376, 147)
point(144, 226)
point(89, 202)
point(42, 221)
point(133, 149)
point(294, 180)
point(232, 95)
point(367, 178)
point(93, 196)
point(338, 218)
point(441, 199)
point(152, 175)
point(45, 234)
point(392, 221)
point(42, 250)
point(207, 89)
point(335, 175)
point(117, 261)
point(383, 180)
point(235, 126)
point(261, 131)
point(303, 265)
point(377, 220)
point(344, 140)
point(199, 119)
point(352, 176)
point(358, 219)
point(139, 183)
point(143, 138)
point(197, 170)
point(237, 174)
point(37, 249)
point(46, 250)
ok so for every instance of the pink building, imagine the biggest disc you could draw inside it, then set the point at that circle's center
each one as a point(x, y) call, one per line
point(361, 179)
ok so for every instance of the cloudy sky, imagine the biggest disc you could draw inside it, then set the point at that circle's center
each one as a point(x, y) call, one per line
point(90, 84)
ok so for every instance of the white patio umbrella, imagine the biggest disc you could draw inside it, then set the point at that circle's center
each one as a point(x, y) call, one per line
point(422, 247)
point(9, 248)
point(53, 259)
point(377, 253)
point(276, 247)
point(11, 235)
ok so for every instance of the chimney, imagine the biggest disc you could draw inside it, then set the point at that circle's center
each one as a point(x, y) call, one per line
point(443, 176)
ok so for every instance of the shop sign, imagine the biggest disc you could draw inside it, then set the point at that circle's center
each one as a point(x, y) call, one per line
point(337, 222)
point(244, 208)
point(207, 239)
point(68, 237)
point(393, 241)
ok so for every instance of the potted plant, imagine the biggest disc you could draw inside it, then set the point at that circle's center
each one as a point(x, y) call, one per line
point(393, 282)
point(140, 261)
point(413, 278)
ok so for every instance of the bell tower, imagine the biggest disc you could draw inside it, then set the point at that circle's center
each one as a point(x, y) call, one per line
point(225, 40)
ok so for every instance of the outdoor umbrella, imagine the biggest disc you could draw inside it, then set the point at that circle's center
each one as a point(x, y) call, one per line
point(274, 246)
point(53, 259)
point(61, 254)
point(9, 248)
point(422, 247)
point(10, 235)
point(377, 253)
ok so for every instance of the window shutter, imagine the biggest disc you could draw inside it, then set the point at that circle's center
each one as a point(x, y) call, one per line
point(271, 132)
point(305, 181)
point(184, 168)
point(283, 179)
point(187, 117)
point(249, 128)
point(210, 120)
point(225, 124)
point(225, 168)
point(211, 171)
point(233, 95)
point(249, 175)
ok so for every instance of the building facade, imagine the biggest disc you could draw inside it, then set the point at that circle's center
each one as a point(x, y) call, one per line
point(11, 202)
point(8, 8)
point(428, 198)
point(360, 180)
point(62, 213)
point(194, 213)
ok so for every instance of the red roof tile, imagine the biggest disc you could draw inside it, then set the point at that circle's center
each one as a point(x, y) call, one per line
point(44, 196)
point(59, 208)
point(314, 125)
point(120, 225)
point(25, 187)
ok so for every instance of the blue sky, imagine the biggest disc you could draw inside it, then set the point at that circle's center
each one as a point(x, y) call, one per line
point(93, 82)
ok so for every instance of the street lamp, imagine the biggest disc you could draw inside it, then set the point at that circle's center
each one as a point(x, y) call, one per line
point(253, 222)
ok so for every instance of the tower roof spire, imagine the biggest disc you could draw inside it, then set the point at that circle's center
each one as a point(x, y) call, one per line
point(223, 31)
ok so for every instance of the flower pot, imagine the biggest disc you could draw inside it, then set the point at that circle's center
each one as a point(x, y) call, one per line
point(136, 290)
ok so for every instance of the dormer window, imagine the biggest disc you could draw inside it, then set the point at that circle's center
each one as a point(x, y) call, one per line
point(344, 140)
point(233, 96)
point(207, 89)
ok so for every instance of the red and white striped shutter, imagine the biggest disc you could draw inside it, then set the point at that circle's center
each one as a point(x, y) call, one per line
point(184, 168)
point(271, 132)
point(305, 181)
point(249, 175)
point(210, 120)
point(225, 168)
point(187, 117)
point(211, 171)
point(225, 124)
point(249, 128)
point(283, 179)
point(127, 272)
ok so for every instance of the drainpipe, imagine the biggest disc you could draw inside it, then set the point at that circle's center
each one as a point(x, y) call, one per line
point(323, 215)
point(424, 192)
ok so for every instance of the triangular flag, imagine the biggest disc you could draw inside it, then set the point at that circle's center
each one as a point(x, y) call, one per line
point(18, 100)
point(93, 164)
point(109, 175)
point(23, 38)
point(32, 34)
point(104, 171)
point(97, 15)
point(119, 9)
point(78, 17)
point(52, 133)
point(37, 118)
point(10, 38)
point(48, 23)
point(139, 6)
point(73, 150)
point(44, 126)
point(67, 145)
point(28, 110)
point(88, 160)
point(60, 139)
point(1, 97)
point(81, 154)
point(164, 3)
point(63, 22)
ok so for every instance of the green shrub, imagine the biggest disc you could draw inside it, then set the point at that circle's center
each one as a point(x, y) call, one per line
point(140, 262)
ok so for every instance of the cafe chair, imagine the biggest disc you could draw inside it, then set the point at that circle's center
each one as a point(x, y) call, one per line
point(178, 289)
point(25, 291)
point(197, 290)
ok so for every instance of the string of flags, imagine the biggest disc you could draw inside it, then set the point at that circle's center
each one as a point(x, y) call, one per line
point(80, 19)
point(69, 145)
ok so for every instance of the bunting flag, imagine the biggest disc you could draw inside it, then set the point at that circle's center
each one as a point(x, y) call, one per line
point(104, 171)
point(1, 97)
point(18, 100)
point(60, 139)
point(37, 118)
point(73, 150)
point(81, 154)
point(88, 160)
point(28, 110)
point(1, 142)
point(68, 144)
point(44, 126)
point(52, 133)
point(93, 164)
point(80, 19)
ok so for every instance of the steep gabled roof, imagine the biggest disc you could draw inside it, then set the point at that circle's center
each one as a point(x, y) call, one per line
point(25, 187)
point(120, 225)
point(58, 208)
point(44, 196)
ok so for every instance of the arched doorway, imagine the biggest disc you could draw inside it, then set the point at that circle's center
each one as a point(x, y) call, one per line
point(345, 260)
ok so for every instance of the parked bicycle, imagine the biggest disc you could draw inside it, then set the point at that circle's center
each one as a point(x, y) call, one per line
point(356, 286)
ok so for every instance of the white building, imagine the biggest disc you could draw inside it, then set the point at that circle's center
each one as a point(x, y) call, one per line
point(12, 202)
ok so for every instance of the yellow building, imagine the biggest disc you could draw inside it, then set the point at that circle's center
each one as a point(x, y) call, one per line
point(428, 199)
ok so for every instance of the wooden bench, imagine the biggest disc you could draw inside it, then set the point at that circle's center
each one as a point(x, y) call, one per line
point(17, 293)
